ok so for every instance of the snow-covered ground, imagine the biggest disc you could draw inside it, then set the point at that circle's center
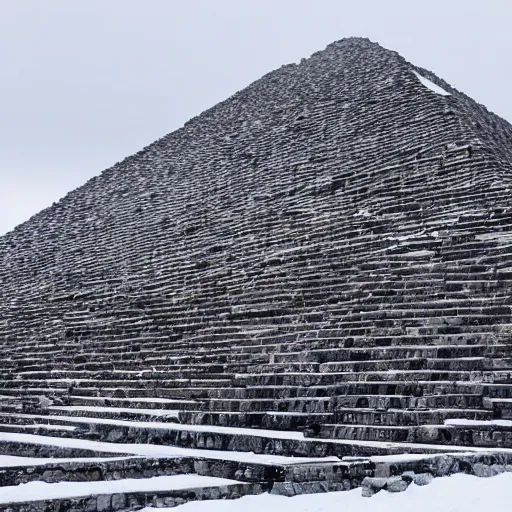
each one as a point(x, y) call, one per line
point(458, 493)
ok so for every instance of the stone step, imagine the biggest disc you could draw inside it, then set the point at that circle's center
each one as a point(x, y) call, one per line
point(383, 402)
point(14, 425)
point(415, 364)
point(116, 413)
point(258, 441)
point(381, 433)
point(23, 470)
point(285, 475)
point(400, 417)
point(327, 471)
point(387, 353)
point(322, 379)
point(501, 408)
point(289, 342)
point(269, 391)
point(401, 388)
point(136, 402)
point(323, 477)
point(70, 385)
point(108, 496)
point(455, 432)
point(269, 419)
point(47, 446)
point(302, 404)
point(272, 392)
point(496, 390)
point(160, 372)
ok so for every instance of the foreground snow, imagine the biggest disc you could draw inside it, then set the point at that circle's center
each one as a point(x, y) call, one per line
point(458, 493)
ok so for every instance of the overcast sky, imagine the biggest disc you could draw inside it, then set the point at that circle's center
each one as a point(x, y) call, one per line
point(85, 83)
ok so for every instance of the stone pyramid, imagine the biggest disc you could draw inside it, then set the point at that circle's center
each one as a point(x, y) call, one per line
point(327, 255)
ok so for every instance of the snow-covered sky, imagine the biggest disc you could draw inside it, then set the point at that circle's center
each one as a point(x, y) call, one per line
point(85, 83)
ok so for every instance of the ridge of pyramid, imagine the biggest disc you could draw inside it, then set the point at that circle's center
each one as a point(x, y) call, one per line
point(488, 128)
point(350, 69)
point(353, 72)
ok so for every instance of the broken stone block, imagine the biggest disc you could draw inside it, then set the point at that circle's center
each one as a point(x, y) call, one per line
point(396, 484)
point(423, 479)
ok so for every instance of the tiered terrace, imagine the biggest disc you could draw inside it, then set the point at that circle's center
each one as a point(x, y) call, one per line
point(327, 254)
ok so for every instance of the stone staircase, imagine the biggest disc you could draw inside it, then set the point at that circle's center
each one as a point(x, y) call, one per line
point(158, 464)
point(118, 464)
point(325, 257)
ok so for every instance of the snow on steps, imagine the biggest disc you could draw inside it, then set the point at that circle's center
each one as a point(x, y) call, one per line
point(132, 494)
point(178, 475)
point(151, 450)
point(155, 460)
point(277, 442)
point(285, 462)
point(239, 473)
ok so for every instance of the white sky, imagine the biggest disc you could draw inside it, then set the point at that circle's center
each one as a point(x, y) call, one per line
point(85, 83)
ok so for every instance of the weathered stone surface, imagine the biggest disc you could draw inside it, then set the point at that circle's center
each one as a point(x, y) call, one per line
point(397, 484)
point(484, 471)
point(423, 479)
point(420, 479)
point(334, 220)
point(135, 501)
point(111, 470)
point(326, 251)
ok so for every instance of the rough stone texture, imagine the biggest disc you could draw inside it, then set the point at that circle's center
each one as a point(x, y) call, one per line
point(328, 250)
point(397, 484)
point(335, 225)
point(478, 464)
point(372, 485)
point(95, 471)
point(136, 501)
point(231, 441)
point(423, 479)
point(45, 451)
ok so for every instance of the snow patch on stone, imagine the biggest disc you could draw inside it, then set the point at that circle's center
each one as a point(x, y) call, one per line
point(431, 85)
point(418, 254)
point(98, 409)
point(479, 423)
point(13, 461)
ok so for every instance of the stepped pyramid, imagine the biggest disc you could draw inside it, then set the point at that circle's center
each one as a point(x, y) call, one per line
point(319, 266)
